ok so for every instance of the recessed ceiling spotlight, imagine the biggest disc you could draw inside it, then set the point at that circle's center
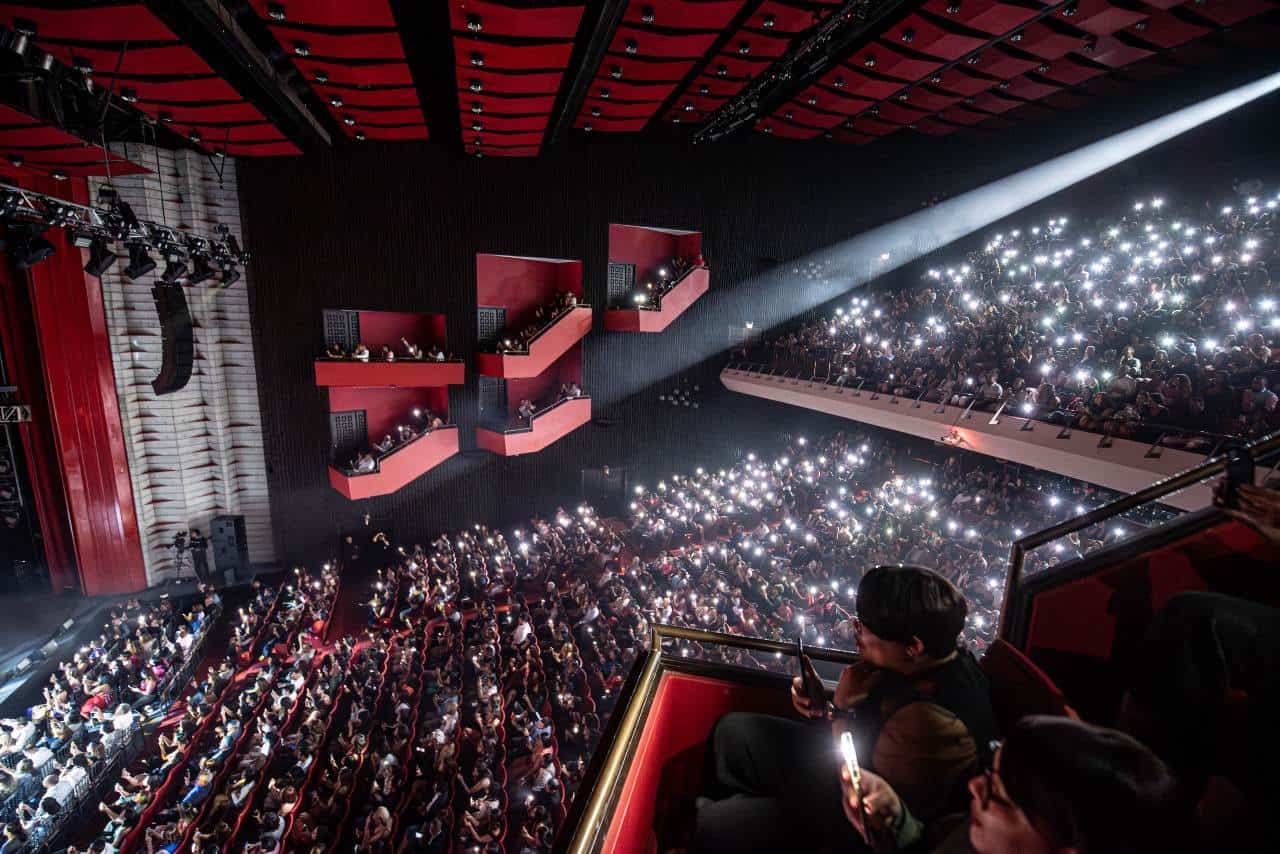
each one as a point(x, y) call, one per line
point(348, 120)
point(335, 101)
point(616, 72)
point(789, 116)
point(477, 59)
point(165, 117)
point(477, 126)
point(595, 112)
point(648, 15)
point(476, 86)
point(744, 48)
point(838, 82)
point(477, 108)
point(321, 77)
point(953, 7)
point(588, 127)
point(302, 48)
point(631, 46)
point(1015, 38)
point(770, 21)
point(360, 136)
point(129, 96)
point(604, 93)
point(275, 11)
point(58, 175)
point(908, 35)
point(195, 137)
point(722, 71)
point(869, 62)
point(812, 100)
point(474, 23)
point(704, 89)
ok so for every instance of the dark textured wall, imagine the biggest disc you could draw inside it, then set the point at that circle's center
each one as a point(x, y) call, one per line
point(397, 228)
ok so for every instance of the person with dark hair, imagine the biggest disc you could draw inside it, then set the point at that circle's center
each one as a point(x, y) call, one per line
point(1055, 785)
point(917, 706)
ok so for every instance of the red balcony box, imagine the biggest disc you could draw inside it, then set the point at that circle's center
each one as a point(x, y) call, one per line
point(544, 349)
point(548, 426)
point(675, 303)
point(409, 373)
point(396, 469)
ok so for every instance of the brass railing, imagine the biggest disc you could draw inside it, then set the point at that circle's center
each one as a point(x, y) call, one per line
point(588, 832)
point(1161, 488)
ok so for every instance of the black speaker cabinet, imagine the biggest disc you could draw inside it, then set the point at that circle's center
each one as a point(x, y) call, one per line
point(177, 338)
point(230, 547)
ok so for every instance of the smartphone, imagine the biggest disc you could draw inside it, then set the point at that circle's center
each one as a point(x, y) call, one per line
point(850, 754)
point(1239, 470)
point(809, 679)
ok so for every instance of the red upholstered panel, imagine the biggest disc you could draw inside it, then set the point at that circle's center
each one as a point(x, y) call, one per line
point(1166, 30)
point(1070, 72)
point(548, 22)
point(637, 72)
point(962, 115)
point(1020, 688)
point(873, 87)
point(932, 100)
point(504, 138)
point(215, 136)
point(988, 16)
point(961, 82)
point(541, 83)
point(1102, 18)
point(1048, 43)
point(932, 39)
point(363, 45)
point(1073, 617)
point(126, 22)
point(994, 101)
point(45, 148)
point(651, 44)
point(176, 59)
point(899, 113)
point(786, 19)
point(685, 14)
point(332, 13)
point(784, 129)
point(375, 74)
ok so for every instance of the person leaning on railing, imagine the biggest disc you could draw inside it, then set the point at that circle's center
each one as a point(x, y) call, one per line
point(921, 716)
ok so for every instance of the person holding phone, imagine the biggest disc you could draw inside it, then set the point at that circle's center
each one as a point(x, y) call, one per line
point(1054, 786)
point(917, 707)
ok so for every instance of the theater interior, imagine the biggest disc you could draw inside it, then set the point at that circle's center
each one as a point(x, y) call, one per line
point(516, 426)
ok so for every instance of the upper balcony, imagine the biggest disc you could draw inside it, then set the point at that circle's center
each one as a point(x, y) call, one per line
point(655, 318)
point(1120, 464)
point(403, 373)
point(556, 421)
point(400, 466)
point(568, 328)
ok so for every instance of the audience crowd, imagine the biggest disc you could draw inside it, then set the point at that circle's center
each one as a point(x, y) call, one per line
point(649, 294)
point(1158, 322)
point(543, 316)
point(419, 422)
point(387, 353)
point(529, 409)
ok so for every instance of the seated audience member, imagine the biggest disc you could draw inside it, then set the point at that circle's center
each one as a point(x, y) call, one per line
point(360, 353)
point(335, 351)
point(1054, 785)
point(388, 355)
point(413, 351)
point(570, 390)
point(526, 409)
point(921, 717)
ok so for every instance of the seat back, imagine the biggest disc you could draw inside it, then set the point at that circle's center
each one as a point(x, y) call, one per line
point(1019, 687)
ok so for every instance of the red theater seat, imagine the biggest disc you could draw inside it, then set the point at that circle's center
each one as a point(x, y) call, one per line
point(1019, 687)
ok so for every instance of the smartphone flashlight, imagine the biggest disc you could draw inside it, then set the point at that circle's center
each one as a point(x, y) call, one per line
point(850, 754)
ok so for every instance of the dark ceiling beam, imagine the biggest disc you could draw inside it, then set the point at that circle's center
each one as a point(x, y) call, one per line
point(427, 35)
point(601, 19)
point(728, 33)
point(212, 30)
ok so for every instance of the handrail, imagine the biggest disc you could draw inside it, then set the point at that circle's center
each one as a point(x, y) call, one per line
point(1166, 486)
point(377, 460)
point(528, 428)
point(527, 346)
point(674, 282)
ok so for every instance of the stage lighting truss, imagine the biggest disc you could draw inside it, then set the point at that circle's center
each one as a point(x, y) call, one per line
point(188, 257)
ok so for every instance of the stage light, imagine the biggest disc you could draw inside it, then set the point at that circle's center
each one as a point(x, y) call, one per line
point(175, 268)
point(27, 246)
point(140, 262)
point(230, 275)
point(101, 257)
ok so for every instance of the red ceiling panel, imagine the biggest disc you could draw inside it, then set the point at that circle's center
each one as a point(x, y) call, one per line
point(621, 109)
point(215, 137)
point(872, 126)
point(1101, 17)
point(1162, 4)
point(1153, 68)
point(330, 13)
point(1111, 51)
point(961, 115)
point(503, 151)
point(933, 127)
point(128, 22)
point(186, 91)
point(789, 131)
point(875, 88)
point(919, 34)
point(265, 149)
point(994, 102)
point(384, 117)
point(372, 74)
point(961, 82)
point(506, 125)
point(739, 66)
point(540, 83)
point(401, 96)
point(662, 45)
point(508, 106)
point(757, 45)
point(1166, 30)
point(510, 57)
point(634, 90)
point(899, 113)
point(547, 22)
point(1070, 71)
point(1065, 100)
point(932, 100)
point(632, 68)
point(362, 45)
point(884, 59)
point(988, 16)
point(414, 132)
point(521, 138)
point(44, 148)
point(835, 99)
point(805, 115)
point(1004, 64)
point(606, 123)
point(1029, 89)
point(1227, 12)
point(167, 61)
point(851, 138)
point(239, 111)
point(1048, 43)
point(786, 19)
point(685, 14)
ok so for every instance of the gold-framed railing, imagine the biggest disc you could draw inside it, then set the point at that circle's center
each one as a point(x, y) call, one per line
point(588, 821)
point(1260, 449)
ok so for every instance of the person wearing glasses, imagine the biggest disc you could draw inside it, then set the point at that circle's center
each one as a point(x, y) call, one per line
point(1055, 784)
point(917, 706)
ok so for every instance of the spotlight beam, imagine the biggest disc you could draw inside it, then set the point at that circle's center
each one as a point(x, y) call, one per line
point(775, 297)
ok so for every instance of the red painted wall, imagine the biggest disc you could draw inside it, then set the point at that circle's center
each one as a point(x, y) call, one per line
point(386, 407)
point(649, 248)
point(80, 386)
point(378, 328)
point(522, 284)
point(567, 367)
